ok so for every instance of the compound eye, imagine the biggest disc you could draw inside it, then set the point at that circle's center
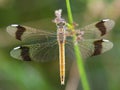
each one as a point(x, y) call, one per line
point(61, 24)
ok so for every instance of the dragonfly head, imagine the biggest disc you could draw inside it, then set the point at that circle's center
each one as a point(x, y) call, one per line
point(61, 24)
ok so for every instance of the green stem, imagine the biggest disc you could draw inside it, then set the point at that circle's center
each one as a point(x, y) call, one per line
point(69, 12)
point(80, 63)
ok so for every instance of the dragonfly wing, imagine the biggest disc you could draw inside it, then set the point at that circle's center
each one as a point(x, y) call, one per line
point(97, 29)
point(92, 47)
point(37, 52)
point(27, 34)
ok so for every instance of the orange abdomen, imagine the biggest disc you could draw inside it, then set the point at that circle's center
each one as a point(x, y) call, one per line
point(62, 62)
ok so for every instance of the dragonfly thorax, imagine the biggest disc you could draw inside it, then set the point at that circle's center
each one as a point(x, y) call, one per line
point(61, 35)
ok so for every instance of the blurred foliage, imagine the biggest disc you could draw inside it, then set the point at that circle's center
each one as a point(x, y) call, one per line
point(103, 71)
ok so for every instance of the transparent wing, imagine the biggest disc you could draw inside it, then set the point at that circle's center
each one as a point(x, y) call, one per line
point(89, 47)
point(28, 34)
point(36, 52)
point(94, 47)
point(97, 29)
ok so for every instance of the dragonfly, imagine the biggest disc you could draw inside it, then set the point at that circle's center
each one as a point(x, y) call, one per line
point(41, 45)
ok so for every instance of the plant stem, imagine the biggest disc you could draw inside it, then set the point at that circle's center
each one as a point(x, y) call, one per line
point(80, 63)
point(69, 12)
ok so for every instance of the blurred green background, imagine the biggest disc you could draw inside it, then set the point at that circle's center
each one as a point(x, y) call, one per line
point(103, 71)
